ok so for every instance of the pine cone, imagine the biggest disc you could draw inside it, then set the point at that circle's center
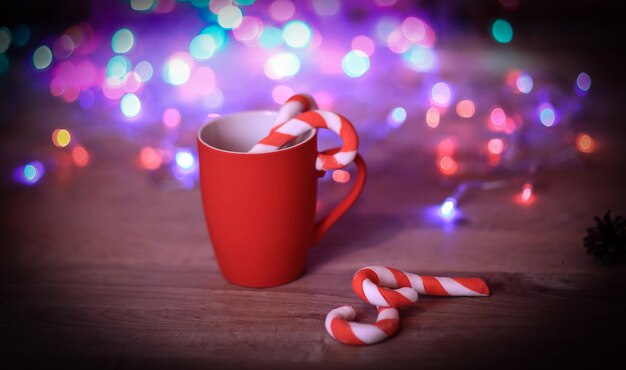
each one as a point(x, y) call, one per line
point(607, 240)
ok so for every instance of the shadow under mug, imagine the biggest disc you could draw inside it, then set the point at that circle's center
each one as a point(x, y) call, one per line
point(260, 208)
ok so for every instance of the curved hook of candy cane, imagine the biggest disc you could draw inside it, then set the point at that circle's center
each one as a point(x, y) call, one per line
point(306, 121)
point(341, 326)
point(293, 106)
point(372, 285)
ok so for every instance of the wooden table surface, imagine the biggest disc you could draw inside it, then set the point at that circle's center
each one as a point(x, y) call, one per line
point(102, 268)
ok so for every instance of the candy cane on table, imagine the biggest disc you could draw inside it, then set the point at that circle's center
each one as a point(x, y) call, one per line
point(372, 285)
point(293, 106)
point(327, 160)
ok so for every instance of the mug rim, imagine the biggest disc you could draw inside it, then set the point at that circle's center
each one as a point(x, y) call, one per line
point(259, 112)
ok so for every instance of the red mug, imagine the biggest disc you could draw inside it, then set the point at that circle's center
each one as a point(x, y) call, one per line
point(260, 208)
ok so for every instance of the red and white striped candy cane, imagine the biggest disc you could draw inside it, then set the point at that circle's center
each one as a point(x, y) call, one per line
point(341, 326)
point(327, 160)
point(293, 106)
point(372, 285)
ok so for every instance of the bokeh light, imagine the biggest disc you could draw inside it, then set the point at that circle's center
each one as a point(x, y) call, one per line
point(202, 47)
point(364, 44)
point(185, 160)
point(497, 119)
point(448, 208)
point(249, 30)
point(80, 156)
point(229, 17)
point(30, 173)
point(171, 117)
point(130, 105)
point(447, 165)
point(341, 176)
point(42, 57)
point(524, 83)
point(297, 34)
point(271, 37)
point(61, 138)
point(144, 70)
point(217, 33)
point(547, 114)
point(420, 59)
point(441, 94)
point(282, 65)
point(5, 39)
point(396, 117)
point(282, 10)
point(585, 143)
point(326, 7)
point(583, 81)
point(432, 117)
point(355, 63)
point(465, 108)
point(281, 93)
point(413, 29)
point(150, 158)
point(118, 66)
point(495, 146)
point(122, 41)
point(177, 70)
point(502, 31)
point(142, 5)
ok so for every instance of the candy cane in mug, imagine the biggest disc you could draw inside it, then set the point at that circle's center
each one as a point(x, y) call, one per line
point(327, 160)
point(295, 105)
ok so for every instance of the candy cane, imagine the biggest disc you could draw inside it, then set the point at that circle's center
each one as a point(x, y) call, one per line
point(339, 324)
point(293, 106)
point(327, 160)
point(372, 285)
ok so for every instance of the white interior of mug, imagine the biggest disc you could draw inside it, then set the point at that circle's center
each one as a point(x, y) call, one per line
point(239, 132)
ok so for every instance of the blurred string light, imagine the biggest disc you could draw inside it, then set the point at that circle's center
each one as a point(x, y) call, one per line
point(524, 83)
point(177, 69)
point(297, 34)
point(185, 160)
point(61, 138)
point(5, 39)
point(583, 82)
point(21, 35)
point(282, 10)
point(202, 47)
point(171, 118)
point(584, 143)
point(341, 176)
point(441, 94)
point(42, 57)
point(130, 105)
point(432, 117)
point(80, 156)
point(547, 114)
point(30, 173)
point(229, 17)
point(501, 31)
point(218, 35)
point(282, 65)
point(396, 117)
point(355, 63)
point(285, 35)
point(326, 8)
point(144, 71)
point(465, 108)
point(143, 5)
point(150, 158)
point(122, 41)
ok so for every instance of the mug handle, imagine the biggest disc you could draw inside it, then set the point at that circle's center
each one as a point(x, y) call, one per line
point(327, 222)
